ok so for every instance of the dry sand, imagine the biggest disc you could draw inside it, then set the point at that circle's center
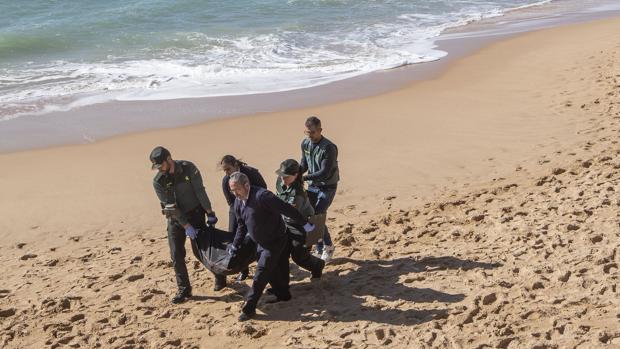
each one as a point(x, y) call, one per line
point(478, 209)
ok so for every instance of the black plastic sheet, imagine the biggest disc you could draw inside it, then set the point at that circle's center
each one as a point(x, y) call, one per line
point(210, 248)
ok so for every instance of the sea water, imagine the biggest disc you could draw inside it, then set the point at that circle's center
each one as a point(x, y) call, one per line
point(59, 54)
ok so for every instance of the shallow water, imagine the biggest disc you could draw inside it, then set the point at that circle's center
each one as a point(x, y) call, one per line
point(62, 54)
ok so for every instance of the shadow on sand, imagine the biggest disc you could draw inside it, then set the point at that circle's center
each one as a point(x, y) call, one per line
point(371, 290)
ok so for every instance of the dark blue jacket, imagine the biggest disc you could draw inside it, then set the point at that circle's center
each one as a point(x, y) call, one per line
point(261, 217)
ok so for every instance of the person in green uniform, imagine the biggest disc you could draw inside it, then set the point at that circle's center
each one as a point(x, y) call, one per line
point(319, 158)
point(290, 189)
point(184, 202)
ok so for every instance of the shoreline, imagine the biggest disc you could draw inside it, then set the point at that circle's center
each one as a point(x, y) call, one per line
point(93, 123)
point(440, 131)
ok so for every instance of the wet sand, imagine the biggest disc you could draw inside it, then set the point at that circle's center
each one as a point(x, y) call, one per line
point(95, 122)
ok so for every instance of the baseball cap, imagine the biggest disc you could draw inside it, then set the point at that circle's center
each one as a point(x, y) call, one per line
point(288, 167)
point(158, 156)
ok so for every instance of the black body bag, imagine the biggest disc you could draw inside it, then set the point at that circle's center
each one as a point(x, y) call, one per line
point(210, 246)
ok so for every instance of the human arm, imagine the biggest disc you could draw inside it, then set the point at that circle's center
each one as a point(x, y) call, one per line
point(161, 193)
point(199, 189)
point(328, 163)
point(230, 198)
point(164, 199)
point(271, 201)
point(303, 163)
point(242, 229)
point(257, 179)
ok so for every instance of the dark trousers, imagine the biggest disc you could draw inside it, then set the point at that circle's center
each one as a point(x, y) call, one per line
point(232, 227)
point(300, 254)
point(271, 268)
point(321, 199)
point(176, 242)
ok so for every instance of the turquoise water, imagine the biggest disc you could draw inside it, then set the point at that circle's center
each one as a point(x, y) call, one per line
point(58, 54)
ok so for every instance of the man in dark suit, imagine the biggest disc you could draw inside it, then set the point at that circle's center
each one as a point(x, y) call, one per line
point(230, 165)
point(259, 214)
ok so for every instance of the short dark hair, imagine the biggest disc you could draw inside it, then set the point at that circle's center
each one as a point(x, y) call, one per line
point(313, 121)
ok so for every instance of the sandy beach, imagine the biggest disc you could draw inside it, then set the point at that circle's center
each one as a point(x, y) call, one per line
point(476, 209)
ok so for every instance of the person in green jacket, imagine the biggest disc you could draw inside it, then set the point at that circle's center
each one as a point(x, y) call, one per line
point(184, 201)
point(319, 158)
point(290, 188)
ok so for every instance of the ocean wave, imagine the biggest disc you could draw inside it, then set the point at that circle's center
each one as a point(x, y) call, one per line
point(196, 64)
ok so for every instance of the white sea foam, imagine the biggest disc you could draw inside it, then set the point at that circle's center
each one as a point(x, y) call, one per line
point(248, 65)
point(279, 60)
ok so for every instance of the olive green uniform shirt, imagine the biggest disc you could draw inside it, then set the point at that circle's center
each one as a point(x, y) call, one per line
point(184, 187)
point(294, 195)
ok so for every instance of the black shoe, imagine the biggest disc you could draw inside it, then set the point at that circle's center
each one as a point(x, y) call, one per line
point(318, 272)
point(182, 296)
point(243, 275)
point(246, 312)
point(220, 282)
point(246, 316)
point(277, 299)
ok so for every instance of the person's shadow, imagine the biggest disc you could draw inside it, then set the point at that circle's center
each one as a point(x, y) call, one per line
point(381, 291)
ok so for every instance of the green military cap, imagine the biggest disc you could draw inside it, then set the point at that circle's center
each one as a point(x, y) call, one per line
point(288, 167)
point(158, 156)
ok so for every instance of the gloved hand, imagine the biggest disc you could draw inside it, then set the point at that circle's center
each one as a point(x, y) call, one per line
point(308, 227)
point(232, 250)
point(191, 232)
point(211, 219)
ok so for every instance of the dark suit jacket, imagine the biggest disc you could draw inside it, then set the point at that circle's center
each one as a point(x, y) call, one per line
point(261, 217)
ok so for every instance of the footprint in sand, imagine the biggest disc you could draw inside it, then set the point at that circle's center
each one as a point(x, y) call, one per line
point(51, 263)
point(596, 239)
point(77, 317)
point(135, 277)
point(28, 256)
point(489, 299)
point(564, 276)
point(4, 313)
point(115, 277)
point(146, 298)
point(610, 268)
